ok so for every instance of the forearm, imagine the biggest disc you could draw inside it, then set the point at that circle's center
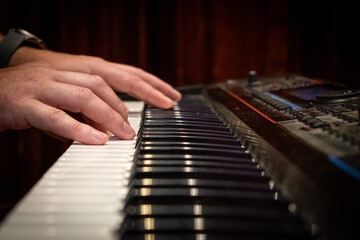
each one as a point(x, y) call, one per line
point(1, 36)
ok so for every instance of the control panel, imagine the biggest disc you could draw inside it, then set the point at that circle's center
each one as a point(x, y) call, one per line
point(324, 115)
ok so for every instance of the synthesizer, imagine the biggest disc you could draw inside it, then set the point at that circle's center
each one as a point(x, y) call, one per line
point(305, 133)
point(258, 158)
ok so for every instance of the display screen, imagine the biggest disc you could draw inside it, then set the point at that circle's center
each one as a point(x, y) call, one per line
point(309, 93)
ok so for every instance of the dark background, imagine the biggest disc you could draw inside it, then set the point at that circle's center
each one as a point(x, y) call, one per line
point(183, 42)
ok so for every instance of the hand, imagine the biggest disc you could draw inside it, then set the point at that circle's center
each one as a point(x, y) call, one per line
point(35, 94)
point(120, 77)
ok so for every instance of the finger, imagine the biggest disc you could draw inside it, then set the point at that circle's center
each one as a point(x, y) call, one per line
point(98, 86)
point(150, 95)
point(79, 99)
point(97, 126)
point(129, 83)
point(58, 123)
point(154, 81)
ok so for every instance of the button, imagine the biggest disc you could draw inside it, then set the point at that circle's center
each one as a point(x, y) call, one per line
point(318, 124)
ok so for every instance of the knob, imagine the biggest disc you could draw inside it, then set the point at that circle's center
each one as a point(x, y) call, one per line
point(253, 79)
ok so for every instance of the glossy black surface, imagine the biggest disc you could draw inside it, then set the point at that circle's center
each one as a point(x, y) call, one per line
point(191, 176)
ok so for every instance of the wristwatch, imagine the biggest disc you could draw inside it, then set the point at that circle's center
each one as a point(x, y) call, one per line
point(13, 40)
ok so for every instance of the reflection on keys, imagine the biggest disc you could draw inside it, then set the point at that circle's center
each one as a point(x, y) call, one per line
point(81, 196)
point(192, 179)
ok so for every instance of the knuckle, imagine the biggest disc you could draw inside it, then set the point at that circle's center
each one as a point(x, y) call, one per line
point(77, 127)
point(123, 108)
point(56, 116)
point(85, 94)
point(92, 59)
point(92, 63)
point(97, 60)
point(98, 81)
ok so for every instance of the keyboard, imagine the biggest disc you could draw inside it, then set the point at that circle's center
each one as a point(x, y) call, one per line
point(81, 196)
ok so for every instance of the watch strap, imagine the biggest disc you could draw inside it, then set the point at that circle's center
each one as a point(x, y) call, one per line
point(15, 39)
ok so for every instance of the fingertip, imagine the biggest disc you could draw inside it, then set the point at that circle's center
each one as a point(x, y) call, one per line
point(129, 131)
point(166, 103)
point(99, 137)
point(178, 96)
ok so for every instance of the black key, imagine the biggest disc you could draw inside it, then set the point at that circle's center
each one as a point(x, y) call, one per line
point(186, 133)
point(209, 211)
point(185, 125)
point(192, 144)
point(191, 163)
point(183, 138)
point(192, 117)
point(241, 198)
point(207, 236)
point(214, 225)
point(224, 132)
point(192, 150)
point(200, 183)
point(198, 172)
point(184, 121)
point(244, 159)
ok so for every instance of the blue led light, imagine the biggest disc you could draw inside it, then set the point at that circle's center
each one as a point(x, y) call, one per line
point(345, 167)
point(293, 106)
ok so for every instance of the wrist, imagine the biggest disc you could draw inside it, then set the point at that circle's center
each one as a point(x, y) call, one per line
point(23, 55)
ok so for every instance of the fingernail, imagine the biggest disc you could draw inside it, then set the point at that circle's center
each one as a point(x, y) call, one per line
point(128, 130)
point(100, 136)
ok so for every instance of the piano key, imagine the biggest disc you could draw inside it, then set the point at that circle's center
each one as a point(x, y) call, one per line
point(94, 183)
point(58, 232)
point(209, 225)
point(192, 117)
point(195, 144)
point(207, 122)
point(182, 138)
point(214, 211)
point(201, 236)
point(75, 208)
point(191, 150)
point(184, 110)
point(241, 198)
point(244, 159)
point(223, 132)
point(200, 183)
point(68, 199)
point(111, 219)
point(84, 176)
point(188, 133)
point(87, 171)
point(186, 125)
point(189, 163)
point(91, 164)
point(197, 172)
point(75, 191)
